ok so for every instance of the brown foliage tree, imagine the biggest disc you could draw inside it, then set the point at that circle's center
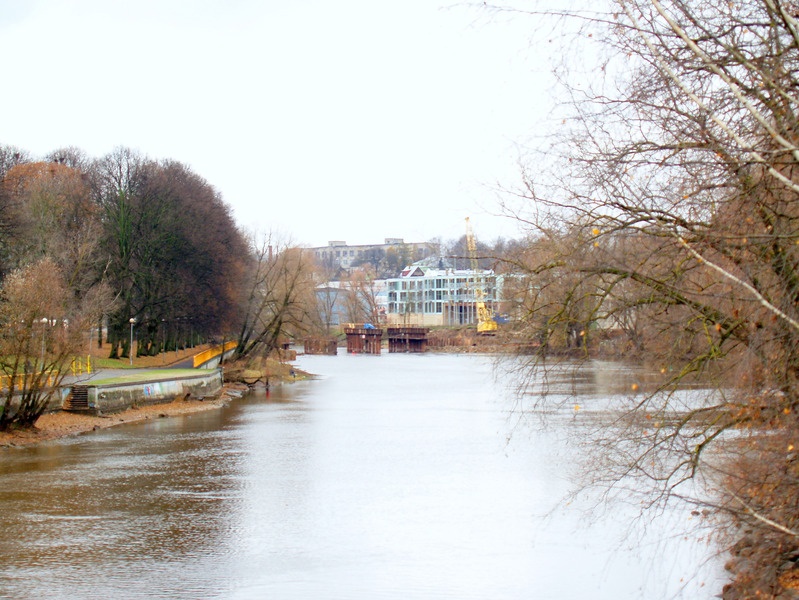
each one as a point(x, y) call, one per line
point(41, 330)
point(55, 217)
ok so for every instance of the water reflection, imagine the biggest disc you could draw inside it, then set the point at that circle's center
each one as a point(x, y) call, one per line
point(389, 477)
point(112, 509)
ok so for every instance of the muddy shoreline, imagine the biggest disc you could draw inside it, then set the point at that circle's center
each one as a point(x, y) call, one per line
point(56, 425)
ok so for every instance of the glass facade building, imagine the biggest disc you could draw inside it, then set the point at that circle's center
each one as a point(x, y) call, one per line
point(435, 297)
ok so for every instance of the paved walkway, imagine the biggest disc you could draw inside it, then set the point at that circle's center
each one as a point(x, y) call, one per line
point(126, 373)
point(185, 363)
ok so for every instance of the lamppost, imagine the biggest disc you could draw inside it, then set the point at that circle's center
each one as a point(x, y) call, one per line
point(132, 322)
point(163, 341)
point(45, 322)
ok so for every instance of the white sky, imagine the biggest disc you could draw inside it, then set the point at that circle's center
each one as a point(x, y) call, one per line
point(352, 120)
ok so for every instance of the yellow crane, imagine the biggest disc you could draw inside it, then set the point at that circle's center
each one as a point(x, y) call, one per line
point(485, 318)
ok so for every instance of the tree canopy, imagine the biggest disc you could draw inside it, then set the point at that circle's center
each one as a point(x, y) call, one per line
point(103, 241)
point(175, 255)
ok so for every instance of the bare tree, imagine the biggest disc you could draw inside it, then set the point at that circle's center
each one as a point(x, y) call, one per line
point(71, 156)
point(41, 331)
point(326, 315)
point(279, 298)
point(10, 157)
point(670, 213)
point(172, 251)
point(361, 300)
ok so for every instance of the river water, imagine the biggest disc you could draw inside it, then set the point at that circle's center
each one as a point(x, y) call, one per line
point(398, 476)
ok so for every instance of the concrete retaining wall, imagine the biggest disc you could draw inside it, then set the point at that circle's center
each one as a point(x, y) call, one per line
point(54, 404)
point(116, 397)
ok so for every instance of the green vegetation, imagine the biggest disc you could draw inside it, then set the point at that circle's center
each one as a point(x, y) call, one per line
point(154, 375)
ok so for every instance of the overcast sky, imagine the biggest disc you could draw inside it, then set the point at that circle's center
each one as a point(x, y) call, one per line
point(351, 120)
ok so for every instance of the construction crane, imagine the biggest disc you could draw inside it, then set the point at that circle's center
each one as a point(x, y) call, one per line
point(485, 319)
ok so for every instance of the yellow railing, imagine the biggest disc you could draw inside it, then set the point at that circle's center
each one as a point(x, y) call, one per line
point(24, 380)
point(78, 366)
point(204, 357)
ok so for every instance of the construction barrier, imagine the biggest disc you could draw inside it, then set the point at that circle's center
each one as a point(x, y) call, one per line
point(211, 353)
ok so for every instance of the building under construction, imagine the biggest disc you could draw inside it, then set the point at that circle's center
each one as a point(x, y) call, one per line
point(428, 297)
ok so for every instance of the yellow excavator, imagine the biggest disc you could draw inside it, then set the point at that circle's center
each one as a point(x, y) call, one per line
point(485, 319)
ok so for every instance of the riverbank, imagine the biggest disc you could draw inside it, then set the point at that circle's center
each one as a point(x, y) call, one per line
point(59, 424)
point(52, 426)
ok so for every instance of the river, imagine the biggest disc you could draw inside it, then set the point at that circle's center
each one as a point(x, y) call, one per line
point(398, 476)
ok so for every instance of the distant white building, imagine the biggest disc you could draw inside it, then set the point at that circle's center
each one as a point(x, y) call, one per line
point(431, 297)
point(339, 254)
